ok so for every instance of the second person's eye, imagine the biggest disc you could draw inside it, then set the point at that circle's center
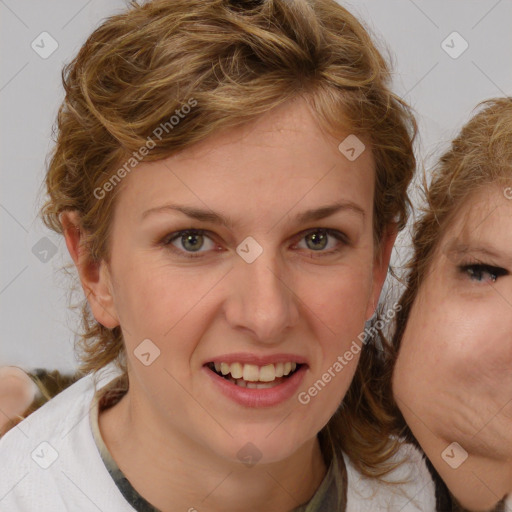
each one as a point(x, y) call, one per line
point(482, 272)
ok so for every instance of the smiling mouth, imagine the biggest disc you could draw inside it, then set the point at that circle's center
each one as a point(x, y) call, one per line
point(252, 376)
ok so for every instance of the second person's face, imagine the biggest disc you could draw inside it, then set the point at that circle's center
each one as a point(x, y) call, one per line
point(453, 377)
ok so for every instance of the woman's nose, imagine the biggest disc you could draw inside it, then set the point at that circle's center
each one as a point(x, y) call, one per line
point(260, 298)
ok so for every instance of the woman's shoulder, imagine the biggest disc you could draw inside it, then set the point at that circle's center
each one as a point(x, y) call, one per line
point(408, 488)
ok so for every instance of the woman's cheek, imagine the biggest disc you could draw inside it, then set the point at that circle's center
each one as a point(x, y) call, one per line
point(155, 296)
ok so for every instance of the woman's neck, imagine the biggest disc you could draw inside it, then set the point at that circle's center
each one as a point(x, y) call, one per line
point(173, 473)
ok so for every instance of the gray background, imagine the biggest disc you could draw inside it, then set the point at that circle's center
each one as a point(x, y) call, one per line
point(36, 327)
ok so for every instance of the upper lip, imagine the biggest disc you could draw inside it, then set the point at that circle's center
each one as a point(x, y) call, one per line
point(258, 360)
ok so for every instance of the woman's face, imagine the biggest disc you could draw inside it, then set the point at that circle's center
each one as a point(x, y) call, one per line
point(254, 294)
point(453, 377)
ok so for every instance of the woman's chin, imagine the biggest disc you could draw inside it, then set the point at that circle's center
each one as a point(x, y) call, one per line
point(258, 447)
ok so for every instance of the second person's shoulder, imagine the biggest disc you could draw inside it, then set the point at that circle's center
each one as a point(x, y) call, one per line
point(408, 488)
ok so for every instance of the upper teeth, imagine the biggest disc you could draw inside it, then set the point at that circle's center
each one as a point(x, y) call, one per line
point(254, 373)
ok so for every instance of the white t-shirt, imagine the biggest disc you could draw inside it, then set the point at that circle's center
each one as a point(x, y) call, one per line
point(50, 463)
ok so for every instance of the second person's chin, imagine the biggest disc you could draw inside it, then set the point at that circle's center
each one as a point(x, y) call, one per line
point(479, 483)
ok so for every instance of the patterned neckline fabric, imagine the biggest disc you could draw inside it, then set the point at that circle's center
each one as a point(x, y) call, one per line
point(330, 496)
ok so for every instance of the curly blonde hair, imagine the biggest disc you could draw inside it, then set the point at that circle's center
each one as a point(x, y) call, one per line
point(236, 60)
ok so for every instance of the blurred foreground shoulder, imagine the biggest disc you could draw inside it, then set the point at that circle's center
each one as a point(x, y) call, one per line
point(50, 463)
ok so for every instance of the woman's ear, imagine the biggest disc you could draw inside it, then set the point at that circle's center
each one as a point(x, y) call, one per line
point(380, 267)
point(94, 276)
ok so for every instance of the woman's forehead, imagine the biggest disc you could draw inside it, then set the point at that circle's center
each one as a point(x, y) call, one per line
point(263, 165)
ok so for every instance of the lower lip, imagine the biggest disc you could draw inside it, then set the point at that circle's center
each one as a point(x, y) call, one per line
point(259, 397)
